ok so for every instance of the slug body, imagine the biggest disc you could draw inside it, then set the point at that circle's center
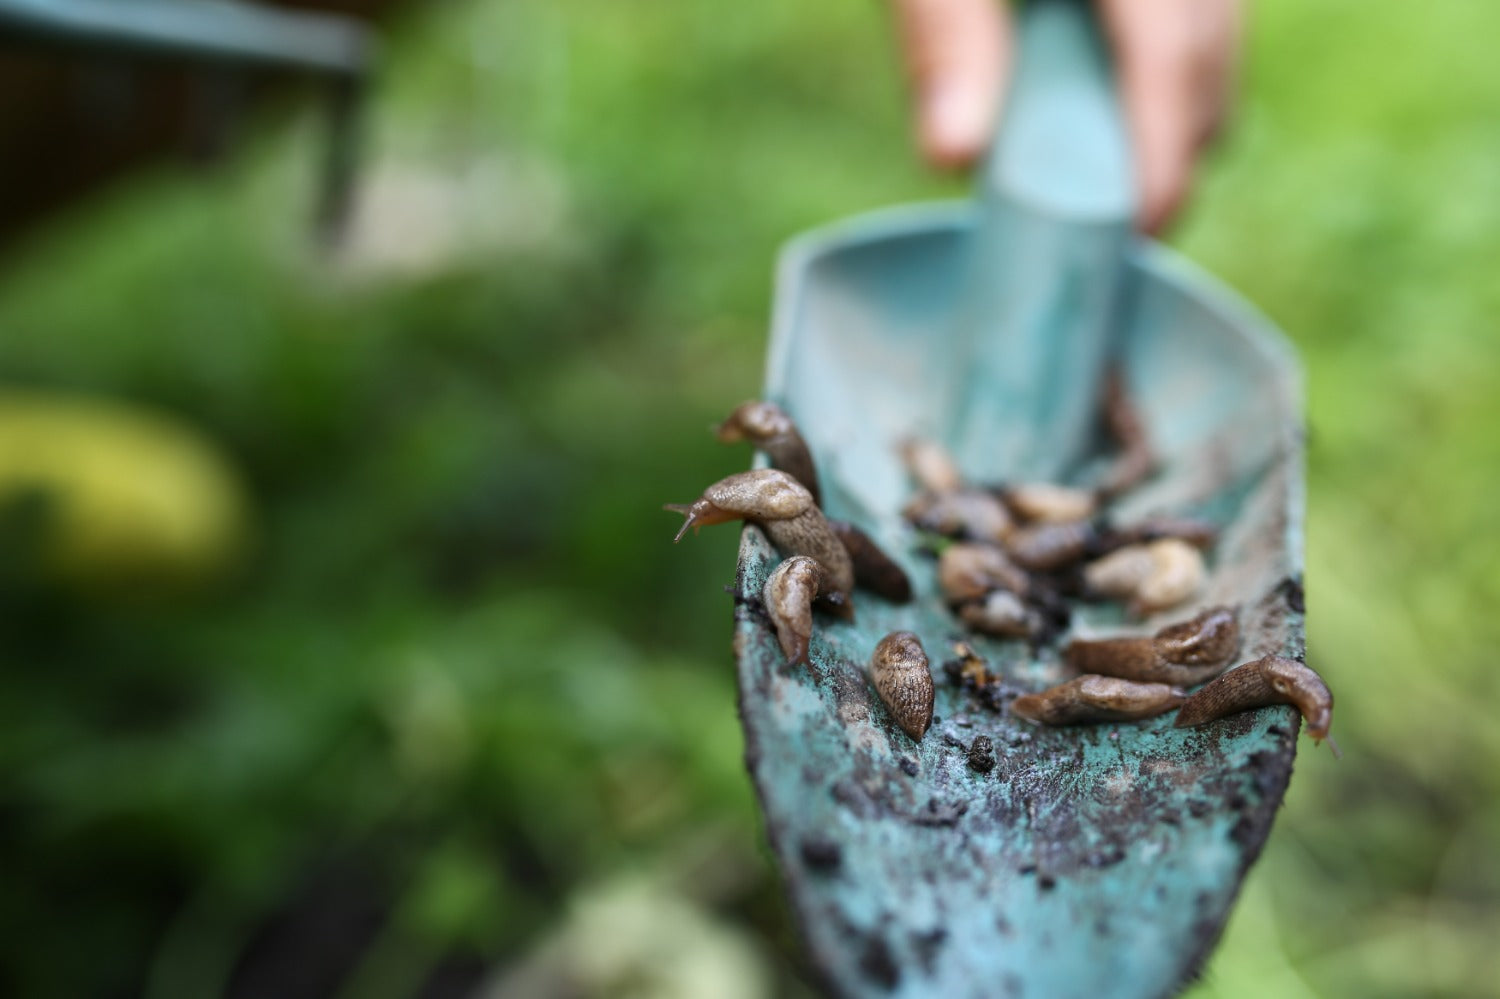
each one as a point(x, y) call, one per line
point(1046, 547)
point(1185, 653)
point(1088, 699)
point(1201, 534)
point(1001, 613)
point(968, 571)
point(1151, 577)
point(899, 672)
point(1259, 684)
point(1044, 502)
point(789, 593)
point(1137, 459)
point(874, 570)
point(931, 465)
point(785, 510)
point(767, 426)
point(974, 514)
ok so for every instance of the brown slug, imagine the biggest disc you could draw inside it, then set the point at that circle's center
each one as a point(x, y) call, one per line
point(789, 593)
point(1151, 577)
point(1092, 698)
point(1261, 683)
point(874, 570)
point(767, 426)
point(930, 464)
point(1046, 547)
point(1201, 534)
point(1042, 502)
point(1001, 613)
point(899, 672)
point(1137, 459)
point(968, 570)
point(975, 514)
point(1185, 653)
point(785, 510)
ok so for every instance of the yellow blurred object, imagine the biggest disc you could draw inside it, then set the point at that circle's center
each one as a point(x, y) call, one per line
point(128, 495)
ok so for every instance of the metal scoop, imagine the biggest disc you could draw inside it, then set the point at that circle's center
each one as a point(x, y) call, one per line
point(1097, 860)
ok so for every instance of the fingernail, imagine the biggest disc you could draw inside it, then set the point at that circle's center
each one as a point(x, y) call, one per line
point(955, 121)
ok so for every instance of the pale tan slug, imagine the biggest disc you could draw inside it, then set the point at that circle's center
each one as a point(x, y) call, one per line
point(975, 514)
point(1185, 653)
point(899, 672)
point(1261, 683)
point(789, 593)
point(785, 510)
point(1045, 547)
point(1001, 613)
point(930, 465)
point(767, 426)
point(874, 570)
point(1180, 574)
point(1042, 502)
point(1151, 577)
point(1087, 699)
point(968, 570)
point(1137, 459)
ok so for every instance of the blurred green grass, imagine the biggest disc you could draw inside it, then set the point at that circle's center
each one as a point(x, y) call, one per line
point(463, 652)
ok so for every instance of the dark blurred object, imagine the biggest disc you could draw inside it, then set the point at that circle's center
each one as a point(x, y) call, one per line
point(84, 107)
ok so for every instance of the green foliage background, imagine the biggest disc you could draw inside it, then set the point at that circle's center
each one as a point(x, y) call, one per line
point(462, 664)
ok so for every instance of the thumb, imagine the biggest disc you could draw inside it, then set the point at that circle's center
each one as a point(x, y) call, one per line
point(957, 53)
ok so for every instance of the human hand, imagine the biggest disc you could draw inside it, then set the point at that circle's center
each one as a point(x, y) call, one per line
point(1175, 60)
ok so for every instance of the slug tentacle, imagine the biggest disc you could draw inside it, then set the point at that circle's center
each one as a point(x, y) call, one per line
point(768, 427)
point(784, 509)
point(899, 672)
point(1089, 698)
point(1262, 683)
point(789, 593)
point(873, 568)
point(1187, 652)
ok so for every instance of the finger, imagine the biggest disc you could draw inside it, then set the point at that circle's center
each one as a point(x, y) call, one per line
point(1174, 59)
point(957, 54)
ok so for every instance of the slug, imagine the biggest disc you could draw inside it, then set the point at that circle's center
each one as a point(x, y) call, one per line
point(974, 514)
point(785, 510)
point(1047, 547)
point(1136, 460)
point(1001, 613)
point(789, 593)
point(969, 570)
point(1042, 502)
point(930, 465)
point(1185, 653)
point(874, 570)
point(1091, 698)
point(899, 672)
point(768, 428)
point(1261, 683)
point(1152, 576)
point(1201, 534)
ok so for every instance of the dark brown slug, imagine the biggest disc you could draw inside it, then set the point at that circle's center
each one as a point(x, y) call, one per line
point(789, 593)
point(767, 426)
point(968, 570)
point(1261, 683)
point(1137, 459)
point(899, 672)
point(1186, 653)
point(973, 514)
point(785, 510)
point(1088, 699)
point(874, 570)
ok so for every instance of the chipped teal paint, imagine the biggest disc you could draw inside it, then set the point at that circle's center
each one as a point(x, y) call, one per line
point(1090, 861)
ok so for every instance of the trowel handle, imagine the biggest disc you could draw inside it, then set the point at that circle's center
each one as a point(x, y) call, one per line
point(1061, 147)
